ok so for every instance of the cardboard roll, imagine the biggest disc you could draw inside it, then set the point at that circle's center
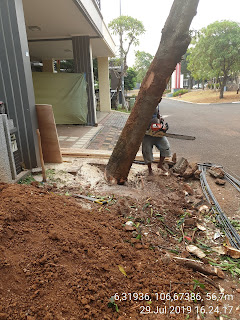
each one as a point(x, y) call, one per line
point(49, 137)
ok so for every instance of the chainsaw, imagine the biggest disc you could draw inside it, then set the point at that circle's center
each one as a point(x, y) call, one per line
point(160, 130)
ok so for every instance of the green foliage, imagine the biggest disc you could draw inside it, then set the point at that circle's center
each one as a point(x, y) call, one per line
point(131, 79)
point(115, 62)
point(28, 180)
point(166, 91)
point(180, 92)
point(112, 304)
point(184, 65)
point(228, 264)
point(215, 52)
point(235, 224)
point(198, 284)
point(129, 28)
point(142, 64)
point(50, 173)
point(211, 85)
point(95, 70)
point(121, 109)
point(67, 65)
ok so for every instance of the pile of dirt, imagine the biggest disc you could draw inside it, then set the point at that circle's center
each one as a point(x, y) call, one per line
point(66, 258)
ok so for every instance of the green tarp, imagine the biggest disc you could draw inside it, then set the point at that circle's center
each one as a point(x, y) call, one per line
point(66, 92)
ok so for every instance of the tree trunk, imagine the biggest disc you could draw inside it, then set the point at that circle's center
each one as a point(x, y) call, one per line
point(116, 101)
point(221, 92)
point(190, 82)
point(223, 84)
point(174, 42)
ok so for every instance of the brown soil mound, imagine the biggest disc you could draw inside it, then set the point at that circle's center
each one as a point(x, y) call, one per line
point(61, 261)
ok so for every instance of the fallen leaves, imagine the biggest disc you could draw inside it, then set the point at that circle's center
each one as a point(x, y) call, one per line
point(122, 270)
point(196, 251)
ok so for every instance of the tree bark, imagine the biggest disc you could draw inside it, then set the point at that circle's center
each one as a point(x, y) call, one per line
point(174, 42)
point(223, 84)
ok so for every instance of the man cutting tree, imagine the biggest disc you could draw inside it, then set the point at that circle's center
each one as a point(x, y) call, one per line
point(174, 43)
point(161, 143)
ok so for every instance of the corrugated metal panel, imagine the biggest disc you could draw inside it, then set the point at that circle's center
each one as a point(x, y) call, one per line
point(14, 77)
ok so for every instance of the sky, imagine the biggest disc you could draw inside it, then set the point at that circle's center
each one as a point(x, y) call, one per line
point(153, 14)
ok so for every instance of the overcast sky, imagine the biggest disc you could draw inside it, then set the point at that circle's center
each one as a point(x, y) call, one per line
point(153, 14)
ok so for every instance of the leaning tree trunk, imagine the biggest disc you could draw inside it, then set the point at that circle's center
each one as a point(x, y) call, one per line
point(174, 42)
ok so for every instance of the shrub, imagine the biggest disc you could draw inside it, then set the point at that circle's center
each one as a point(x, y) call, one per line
point(211, 86)
point(166, 91)
point(181, 91)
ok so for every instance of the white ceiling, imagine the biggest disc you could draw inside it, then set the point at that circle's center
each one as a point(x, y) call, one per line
point(46, 50)
point(59, 19)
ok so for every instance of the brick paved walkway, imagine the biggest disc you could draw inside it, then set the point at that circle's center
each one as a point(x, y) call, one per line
point(75, 136)
point(107, 137)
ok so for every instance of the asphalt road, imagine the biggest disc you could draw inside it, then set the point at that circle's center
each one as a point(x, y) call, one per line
point(215, 126)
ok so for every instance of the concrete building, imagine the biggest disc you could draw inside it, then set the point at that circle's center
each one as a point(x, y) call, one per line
point(47, 30)
point(177, 79)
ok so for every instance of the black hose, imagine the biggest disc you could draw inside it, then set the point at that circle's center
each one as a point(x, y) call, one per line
point(229, 230)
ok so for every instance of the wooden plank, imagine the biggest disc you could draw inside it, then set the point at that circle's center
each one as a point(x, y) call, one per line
point(101, 154)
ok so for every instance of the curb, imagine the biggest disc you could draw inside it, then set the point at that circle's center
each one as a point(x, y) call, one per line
point(201, 102)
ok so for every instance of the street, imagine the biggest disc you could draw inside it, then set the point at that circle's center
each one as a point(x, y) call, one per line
point(215, 126)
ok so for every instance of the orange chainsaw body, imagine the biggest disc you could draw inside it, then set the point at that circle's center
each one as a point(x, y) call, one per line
point(156, 126)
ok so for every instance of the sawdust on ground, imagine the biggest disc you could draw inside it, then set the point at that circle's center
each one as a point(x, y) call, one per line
point(64, 258)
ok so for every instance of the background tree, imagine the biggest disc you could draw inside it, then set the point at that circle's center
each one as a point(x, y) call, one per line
point(95, 73)
point(142, 63)
point(64, 65)
point(174, 42)
point(215, 52)
point(184, 70)
point(130, 79)
point(128, 29)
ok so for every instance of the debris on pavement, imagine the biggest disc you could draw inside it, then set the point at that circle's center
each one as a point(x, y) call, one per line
point(216, 172)
point(220, 182)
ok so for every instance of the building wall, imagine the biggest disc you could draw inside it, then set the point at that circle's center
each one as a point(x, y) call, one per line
point(104, 88)
point(16, 88)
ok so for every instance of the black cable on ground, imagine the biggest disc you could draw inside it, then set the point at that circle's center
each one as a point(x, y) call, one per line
point(229, 230)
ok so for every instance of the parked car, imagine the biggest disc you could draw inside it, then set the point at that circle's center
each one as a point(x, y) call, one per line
point(196, 86)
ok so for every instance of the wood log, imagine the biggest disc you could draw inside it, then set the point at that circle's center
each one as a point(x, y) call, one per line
point(201, 267)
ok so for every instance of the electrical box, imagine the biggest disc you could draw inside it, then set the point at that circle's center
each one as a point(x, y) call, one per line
point(10, 157)
point(15, 151)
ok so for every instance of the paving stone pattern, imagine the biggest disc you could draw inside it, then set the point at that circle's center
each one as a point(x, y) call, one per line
point(75, 136)
point(107, 137)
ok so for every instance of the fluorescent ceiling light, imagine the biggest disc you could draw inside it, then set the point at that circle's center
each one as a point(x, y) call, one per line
point(34, 28)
